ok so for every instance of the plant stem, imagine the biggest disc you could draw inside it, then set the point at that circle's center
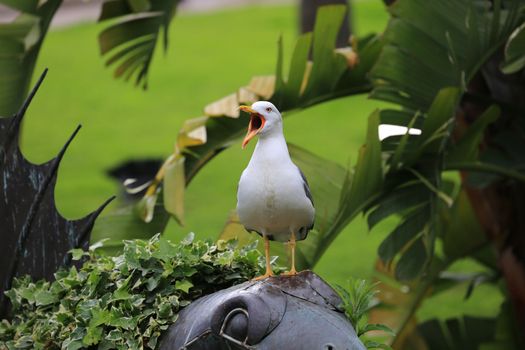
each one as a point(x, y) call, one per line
point(486, 168)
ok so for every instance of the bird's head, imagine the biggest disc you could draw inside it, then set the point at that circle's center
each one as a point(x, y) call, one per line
point(264, 117)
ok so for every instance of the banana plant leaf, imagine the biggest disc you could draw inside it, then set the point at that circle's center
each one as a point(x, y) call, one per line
point(432, 45)
point(431, 51)
point(399, 301)
point(20, 42)
point(130, 40)
point(468, 333)
point(200, 139)
point(36, 239)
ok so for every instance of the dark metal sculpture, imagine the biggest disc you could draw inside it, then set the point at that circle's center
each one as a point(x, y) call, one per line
point(293, 313)
point(35, 238)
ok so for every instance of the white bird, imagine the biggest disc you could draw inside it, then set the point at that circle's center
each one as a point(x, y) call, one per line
point(273, 197)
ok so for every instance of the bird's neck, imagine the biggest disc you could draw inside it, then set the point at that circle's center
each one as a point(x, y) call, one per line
point(271, 148)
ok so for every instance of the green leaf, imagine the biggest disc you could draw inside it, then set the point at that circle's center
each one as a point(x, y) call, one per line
point(462, 333)
point(77, 254)
point(19, 47)
point(184, 285)
point(174, 183)
point(463, 231)
point(398, 201)
point(93, 336)
point(328, 66)
point(411, 227)
point(377, 327)
point(439, 118)
point(370, 344)
point(515, 51)
point(487, 168)
point(291, 91)
point(367, 179)
point(29, 6)
point(412, 262)
point(133, 35)
point(99, 317)
point(121, 302)
point(449, 52)
point(139, 5)
point(358, 299)
point(45, 297)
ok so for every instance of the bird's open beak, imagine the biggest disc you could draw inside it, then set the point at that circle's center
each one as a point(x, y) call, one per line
point(256, 124)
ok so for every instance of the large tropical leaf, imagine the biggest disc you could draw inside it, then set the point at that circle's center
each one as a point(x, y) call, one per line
point(413, 189)
point(465, 333)
point(20, 42)
point(361, 187)
point(35, 238)
point(431, 51)
point(399, 301)
point(432, 45)
point(202, 138)
point(130, 40)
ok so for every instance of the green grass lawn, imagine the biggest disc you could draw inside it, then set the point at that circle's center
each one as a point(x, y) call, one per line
point(210, 56)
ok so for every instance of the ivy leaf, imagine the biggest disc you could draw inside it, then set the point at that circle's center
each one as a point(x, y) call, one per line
point(122, 302)
point(184, 285)
point(44, 297)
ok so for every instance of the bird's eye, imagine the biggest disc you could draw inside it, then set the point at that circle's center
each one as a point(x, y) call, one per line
point(268, 109)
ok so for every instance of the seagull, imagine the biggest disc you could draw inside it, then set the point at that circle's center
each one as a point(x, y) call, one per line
point(273, 197)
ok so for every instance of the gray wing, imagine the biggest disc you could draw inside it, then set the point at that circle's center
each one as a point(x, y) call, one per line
point(306, 187)
point(303, 231)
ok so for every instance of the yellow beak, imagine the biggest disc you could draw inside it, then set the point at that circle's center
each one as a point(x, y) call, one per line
point(256, 124)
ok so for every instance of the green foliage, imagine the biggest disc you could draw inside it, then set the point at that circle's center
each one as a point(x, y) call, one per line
point(20, 42)
point(122, 302)
point(358, 299)
point(131, 38)
point(447, 54)
point(129, 41)
point(515, 51)
point(465, 333)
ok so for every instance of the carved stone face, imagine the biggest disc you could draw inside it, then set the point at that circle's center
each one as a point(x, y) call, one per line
point(292, 313)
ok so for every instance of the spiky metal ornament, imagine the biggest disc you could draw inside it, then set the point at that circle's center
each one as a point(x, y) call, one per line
point(35, 238)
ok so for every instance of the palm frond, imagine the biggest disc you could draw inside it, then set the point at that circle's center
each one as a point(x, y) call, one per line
point(129, 41)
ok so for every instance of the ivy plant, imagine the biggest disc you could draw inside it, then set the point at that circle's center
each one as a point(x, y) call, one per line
point(122, 302)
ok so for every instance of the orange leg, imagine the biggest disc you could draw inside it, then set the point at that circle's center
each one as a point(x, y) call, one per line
point(268, 272)
point(292, 271)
